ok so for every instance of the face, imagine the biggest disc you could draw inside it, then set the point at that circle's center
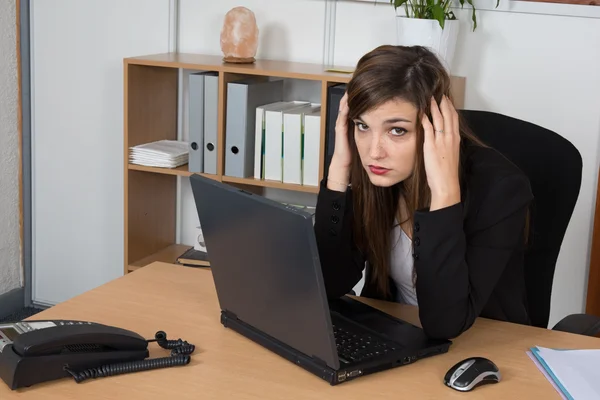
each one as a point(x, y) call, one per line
point(386, 138)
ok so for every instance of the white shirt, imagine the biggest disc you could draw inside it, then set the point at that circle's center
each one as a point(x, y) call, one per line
point(401, 266)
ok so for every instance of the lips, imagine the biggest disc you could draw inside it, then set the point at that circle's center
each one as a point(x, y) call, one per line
point(378, 170)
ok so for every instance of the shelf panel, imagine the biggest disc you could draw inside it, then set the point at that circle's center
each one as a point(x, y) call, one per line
point(168, 254)
point(179, 171)
point(183, 171)
point(279, 68)
point(271, 184)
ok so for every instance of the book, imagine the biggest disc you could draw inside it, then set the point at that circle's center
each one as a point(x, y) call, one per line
point(194, 258)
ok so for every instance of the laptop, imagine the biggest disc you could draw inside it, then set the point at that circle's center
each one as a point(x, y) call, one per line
point(270, 288)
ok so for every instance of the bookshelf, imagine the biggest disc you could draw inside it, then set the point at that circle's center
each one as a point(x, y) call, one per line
point(151, 113)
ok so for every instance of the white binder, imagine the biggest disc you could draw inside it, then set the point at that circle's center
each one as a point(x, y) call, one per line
point(196, 83)
point(274, 141)
point(293, 131)
point(243, 97)
point(259, 136)
point(211, 107)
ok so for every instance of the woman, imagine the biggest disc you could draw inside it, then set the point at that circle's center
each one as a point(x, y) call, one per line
point(437, 218)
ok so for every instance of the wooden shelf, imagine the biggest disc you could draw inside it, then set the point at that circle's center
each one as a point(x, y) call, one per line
point(168, 254)
point(282, 69)
point(179, 171)
point(183, 171)
point(271, 184)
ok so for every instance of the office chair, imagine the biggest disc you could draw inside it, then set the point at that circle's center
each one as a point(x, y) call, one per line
point(553, 166)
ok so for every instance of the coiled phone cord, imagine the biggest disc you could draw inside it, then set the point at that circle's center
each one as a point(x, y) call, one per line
point(180, 355)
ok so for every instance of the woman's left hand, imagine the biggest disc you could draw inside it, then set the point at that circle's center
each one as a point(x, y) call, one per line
point(441, 152)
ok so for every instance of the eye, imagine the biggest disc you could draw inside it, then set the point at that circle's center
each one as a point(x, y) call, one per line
point(361, 127)
point(397, 131)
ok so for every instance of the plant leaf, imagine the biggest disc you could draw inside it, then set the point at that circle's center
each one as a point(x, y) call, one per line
point(474, 16)
point(439, 14)
point(398, 3)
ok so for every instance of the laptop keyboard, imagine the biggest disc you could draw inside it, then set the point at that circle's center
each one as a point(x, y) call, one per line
point(354, 344)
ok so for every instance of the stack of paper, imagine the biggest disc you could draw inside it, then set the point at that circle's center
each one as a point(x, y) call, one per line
point(573, 373)
point(163, 153)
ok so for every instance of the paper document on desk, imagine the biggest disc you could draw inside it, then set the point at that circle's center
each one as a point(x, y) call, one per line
point(574, 373)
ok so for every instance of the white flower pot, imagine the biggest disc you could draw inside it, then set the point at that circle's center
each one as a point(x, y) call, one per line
point(428, 33)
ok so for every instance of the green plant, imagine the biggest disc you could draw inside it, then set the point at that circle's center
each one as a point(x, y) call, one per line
point(433, 9)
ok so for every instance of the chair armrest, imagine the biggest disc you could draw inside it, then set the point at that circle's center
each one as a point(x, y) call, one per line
point(582, 324)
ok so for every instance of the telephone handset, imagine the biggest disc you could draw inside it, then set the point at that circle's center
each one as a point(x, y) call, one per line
point(38, 351)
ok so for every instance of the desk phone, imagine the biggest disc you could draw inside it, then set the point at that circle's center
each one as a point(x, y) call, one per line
point(32, 352)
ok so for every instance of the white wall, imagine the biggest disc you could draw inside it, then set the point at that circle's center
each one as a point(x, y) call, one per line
point(77, 140)
point(535, 66)
point(10, 261)
point(288, 30)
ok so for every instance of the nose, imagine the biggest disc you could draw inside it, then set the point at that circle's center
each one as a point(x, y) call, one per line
point(377, 151)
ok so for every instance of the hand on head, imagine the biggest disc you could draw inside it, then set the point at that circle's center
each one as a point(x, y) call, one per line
point(441, 151)
point(389, 90)
point(339, 169)
point(342, 147)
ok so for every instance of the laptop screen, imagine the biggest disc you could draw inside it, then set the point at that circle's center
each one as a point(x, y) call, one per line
point(265, 266)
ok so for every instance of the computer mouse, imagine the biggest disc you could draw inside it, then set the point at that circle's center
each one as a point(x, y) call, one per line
point(470, 373)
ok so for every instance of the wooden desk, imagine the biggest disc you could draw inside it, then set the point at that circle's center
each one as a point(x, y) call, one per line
point(182, 302)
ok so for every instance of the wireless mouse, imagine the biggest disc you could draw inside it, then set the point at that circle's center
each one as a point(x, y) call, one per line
point(470, 373)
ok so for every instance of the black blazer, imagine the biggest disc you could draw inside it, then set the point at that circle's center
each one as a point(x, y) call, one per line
point(468, 257)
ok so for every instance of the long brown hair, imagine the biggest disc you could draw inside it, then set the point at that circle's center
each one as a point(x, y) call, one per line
point(413, 74)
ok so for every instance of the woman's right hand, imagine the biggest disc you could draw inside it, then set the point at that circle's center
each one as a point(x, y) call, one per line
point(339, 168)
point(341, 152)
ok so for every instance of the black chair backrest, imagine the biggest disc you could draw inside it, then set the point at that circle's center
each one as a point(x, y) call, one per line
point(554, 168)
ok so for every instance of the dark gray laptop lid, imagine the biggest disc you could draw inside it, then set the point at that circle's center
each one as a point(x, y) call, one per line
point(265, 265)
